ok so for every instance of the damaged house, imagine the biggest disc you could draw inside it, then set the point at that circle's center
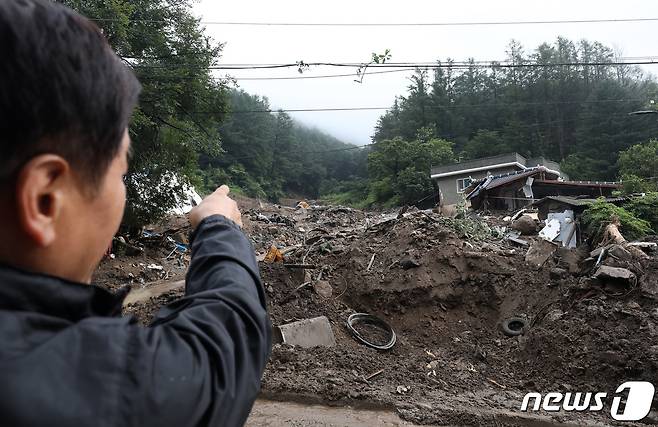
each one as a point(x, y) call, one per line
point(510, 182)
point(454, 180)
point(518, 189)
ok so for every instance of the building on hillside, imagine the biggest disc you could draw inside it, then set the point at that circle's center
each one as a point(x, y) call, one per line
point(453, 180)
point(516, 190)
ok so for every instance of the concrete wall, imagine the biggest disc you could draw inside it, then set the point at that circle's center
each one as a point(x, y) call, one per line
point(448, 185)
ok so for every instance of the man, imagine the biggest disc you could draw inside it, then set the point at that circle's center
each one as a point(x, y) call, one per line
point(67, 358)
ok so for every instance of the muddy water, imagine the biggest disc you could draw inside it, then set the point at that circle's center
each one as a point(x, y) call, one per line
point(280, 414)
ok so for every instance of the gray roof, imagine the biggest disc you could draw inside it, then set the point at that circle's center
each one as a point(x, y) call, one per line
point(478, 163)
point(494, 181)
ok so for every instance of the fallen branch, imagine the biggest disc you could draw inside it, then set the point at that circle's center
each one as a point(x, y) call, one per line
point(374, 374)
point(370, 263)
point(496, 383)
point(611, 234)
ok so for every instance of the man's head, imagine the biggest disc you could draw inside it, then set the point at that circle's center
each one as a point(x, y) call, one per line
point(65, 103)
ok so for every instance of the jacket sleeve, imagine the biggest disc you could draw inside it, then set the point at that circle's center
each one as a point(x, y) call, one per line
point(201, 360)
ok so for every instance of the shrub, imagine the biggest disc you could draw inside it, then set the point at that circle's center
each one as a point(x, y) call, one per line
point(600, 214)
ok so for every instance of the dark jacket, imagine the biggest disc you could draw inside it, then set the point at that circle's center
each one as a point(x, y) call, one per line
point(67, 358)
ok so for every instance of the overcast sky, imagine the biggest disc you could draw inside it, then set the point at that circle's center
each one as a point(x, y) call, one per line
point(249, 44)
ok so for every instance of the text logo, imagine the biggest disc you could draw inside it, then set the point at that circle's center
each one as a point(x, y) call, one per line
point(638, 401)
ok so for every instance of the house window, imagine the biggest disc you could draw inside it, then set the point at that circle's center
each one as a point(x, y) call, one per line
point(463, 183)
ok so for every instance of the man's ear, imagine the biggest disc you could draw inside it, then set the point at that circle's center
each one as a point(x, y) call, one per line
point(40, 192)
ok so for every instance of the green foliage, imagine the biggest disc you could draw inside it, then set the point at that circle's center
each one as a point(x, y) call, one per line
point(638, 166)
point(574, 114)
point(166, 46)
point(636, 184)
point(350, 193)
point(399, 170)
point(601, 213)
point(270, 155)
point(645, 208)
point(413, 185)
point(485, 143)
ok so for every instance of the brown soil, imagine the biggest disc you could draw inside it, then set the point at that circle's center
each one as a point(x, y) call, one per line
point(445, 296)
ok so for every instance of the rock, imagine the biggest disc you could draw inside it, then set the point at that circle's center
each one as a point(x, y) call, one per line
point(539, 252)
point(526, 225)
point(645, 246)
point(572, 259)
point(323, 289)
point(613, 358)
point(620, 253)
point(353, 394)
point(633, 305)
point(401, 389)
point(596, 252)
point(614, 273)
point(558, 273)
point(653, 351)
point(637, 253)
point(409, 263)
point(554, 315)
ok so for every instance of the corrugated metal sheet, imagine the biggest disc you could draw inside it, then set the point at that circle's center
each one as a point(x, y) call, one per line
point(495, 181)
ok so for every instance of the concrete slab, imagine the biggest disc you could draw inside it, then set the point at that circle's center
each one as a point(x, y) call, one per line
point(307, 333)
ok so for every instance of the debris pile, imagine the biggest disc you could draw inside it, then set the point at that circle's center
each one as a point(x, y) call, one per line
point(480, 310)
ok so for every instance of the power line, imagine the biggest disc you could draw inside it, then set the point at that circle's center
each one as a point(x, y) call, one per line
point(403, 63)
point(452, 65)
point(394, 24)
point(328, 76)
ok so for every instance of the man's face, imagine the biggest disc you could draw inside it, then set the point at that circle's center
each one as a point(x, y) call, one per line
point(59, 227)
point(95, 219)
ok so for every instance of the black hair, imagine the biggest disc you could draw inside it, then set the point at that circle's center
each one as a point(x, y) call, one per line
point(63, 90)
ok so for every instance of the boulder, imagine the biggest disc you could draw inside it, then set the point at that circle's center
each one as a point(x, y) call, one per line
point(614, 273)
point(525, 224)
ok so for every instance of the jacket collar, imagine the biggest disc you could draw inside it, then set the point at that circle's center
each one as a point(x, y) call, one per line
point(24, 291)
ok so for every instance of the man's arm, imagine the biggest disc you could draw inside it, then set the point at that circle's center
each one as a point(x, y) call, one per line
point(201, 361)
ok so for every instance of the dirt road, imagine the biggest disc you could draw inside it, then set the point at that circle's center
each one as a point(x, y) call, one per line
point(284, 414)
point(288, 414)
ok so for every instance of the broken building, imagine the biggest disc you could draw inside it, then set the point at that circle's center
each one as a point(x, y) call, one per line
point(519, 189)
point(453, 180)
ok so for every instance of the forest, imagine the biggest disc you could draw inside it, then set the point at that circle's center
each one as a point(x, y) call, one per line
point(269, 155)
point(568, 101)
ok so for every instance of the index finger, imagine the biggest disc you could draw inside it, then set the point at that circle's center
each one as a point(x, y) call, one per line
point(223, 190)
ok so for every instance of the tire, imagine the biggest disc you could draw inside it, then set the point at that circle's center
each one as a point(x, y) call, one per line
point(513, 326)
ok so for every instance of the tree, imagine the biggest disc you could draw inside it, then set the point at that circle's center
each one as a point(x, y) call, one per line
point(181, 104)
point(570, 106)
point(269, 155)
point(638, 166)
point(399, 170)
point(485, 143)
